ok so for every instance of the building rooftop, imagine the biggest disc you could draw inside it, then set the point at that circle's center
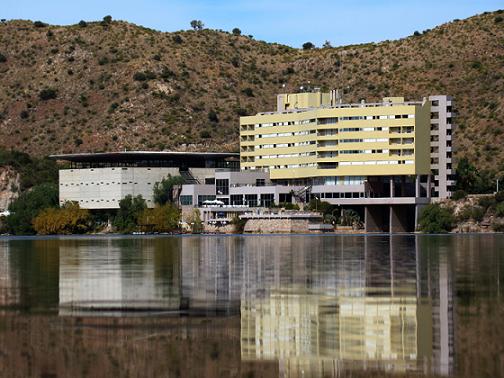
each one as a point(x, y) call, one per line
point(150, 159)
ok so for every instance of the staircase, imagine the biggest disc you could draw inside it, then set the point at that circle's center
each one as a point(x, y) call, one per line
point(189, 179)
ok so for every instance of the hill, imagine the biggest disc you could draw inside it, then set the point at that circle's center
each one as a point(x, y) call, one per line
point(110, 86)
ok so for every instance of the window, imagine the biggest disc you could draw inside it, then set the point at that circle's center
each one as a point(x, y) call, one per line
point(222, 186)
point(267, 200)
point(186, 200)
point(285, 198)
point(260, 182)
point(236, 199)
point(251, 200)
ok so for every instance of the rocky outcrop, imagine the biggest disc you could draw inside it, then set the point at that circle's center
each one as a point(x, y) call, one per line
point(9, 186)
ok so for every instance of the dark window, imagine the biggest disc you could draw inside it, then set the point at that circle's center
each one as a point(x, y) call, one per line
point(260, 182)
point(186, 200)
point(209, 181)
point(236, 199)
point(267, 200)
point(251, 200)
point(222, 186)
point(285, 197)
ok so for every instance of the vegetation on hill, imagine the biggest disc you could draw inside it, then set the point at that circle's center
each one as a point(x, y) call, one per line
point(111, 85)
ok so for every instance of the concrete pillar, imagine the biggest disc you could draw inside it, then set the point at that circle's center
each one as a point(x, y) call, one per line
point(429, 184)
point(391, 186)
point(417, 186)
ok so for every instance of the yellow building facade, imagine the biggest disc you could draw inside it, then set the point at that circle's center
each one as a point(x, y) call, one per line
point(311, 135)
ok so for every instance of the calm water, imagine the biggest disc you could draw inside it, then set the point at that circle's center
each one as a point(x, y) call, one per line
point(254, 306)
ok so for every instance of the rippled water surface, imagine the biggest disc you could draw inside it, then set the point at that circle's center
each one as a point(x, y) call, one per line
point(253, 306)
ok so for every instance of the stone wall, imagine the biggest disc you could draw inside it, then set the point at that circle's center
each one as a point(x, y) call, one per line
point(272, 226)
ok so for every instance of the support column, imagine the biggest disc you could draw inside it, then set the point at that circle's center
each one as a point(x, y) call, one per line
point(429, 184)
point(417, 186)
point(391, 186)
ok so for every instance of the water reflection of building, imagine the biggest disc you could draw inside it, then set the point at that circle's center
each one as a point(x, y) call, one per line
point(365, 309)
point(9, 296)
point(118, 275)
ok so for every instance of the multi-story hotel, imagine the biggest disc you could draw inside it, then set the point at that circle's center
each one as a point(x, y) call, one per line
point(385, 160)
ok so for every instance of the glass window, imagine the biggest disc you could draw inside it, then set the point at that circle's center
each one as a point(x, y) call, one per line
point(267, 200)
point(251, 200)
point(222, 186)
point(186, 200)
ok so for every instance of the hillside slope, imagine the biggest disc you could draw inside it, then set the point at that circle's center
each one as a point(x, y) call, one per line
point(120, 86)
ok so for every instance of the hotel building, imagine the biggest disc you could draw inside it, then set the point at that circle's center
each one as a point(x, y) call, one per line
point(385, 160)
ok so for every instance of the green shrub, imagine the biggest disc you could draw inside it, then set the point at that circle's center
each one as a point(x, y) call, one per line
point(130, 210)
point(236, 31)
point(308, 46)
point(177, 39)
point(458, 195)
point(144, 76)
point(486, 202)
point(248, 92)
point(107, 20)
point(417, 33)
point(82, 23)
point(3, 58)
point(435, 219)
point(29, 204)
point(498, 19)
point(239, 224)
point(475, 213)
point(499, 196)
point(163, 191)
point(212, 116)
point(205, 134)
point(39, 24)
point(498, 226)
point(499, 210)
point(48, 94)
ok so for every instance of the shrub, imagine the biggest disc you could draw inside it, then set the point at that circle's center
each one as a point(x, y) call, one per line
point(239, 224)
point(29, 204)
point(248, 92)
point(39, 24)
point(177, 39)
point(236, 31)
point(435, 219)
point(24, 114)
point(308, 46)
point(82, 23)
point(205, 134)
point(78, 142)
point(499, 196)
point(476, 213)
point(458, 195)
point(48, 94)
point(212, 116)
point(498, 19)
point(486, 202)
point(69, 219)
point(499, 210)
point(3, 58)
point(130, 210)
point(498, 226)
point(416, 33)
point(144, 76)
point(107, 20)
point(160, 219)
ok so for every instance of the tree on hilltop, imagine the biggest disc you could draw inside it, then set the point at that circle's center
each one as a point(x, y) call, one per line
point(197, 24)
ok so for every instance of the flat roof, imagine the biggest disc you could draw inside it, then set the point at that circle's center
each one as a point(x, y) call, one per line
point(143, 155)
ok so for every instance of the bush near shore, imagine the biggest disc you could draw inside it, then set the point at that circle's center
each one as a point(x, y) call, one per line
point(464, 213)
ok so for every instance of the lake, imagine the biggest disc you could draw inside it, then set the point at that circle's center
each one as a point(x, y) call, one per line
point(252, 306)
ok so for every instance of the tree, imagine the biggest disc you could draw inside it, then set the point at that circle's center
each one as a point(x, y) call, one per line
point(212, 116)
point(82, 23)
point(197, 25)
point(471, 180)
point(69, 219)
point(194, 219)
point(327, 45)
point(416, 33)
point(29, 204)
point(48, 94)
point(107, 20)
point(163, 191)
point(436, 219)
point(130, 210)
point(160, 219)
point(308, 46)
point(236, 31)
point(39, 24)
